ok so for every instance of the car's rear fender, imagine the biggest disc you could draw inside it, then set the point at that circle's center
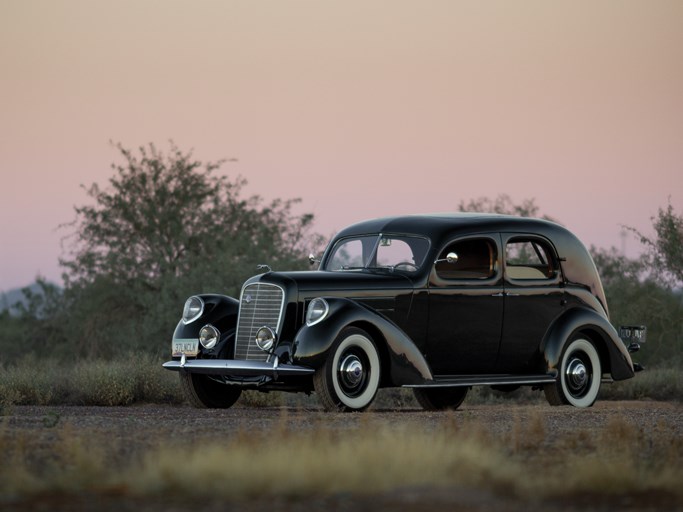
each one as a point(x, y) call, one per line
point(405, 364)
point(613, 353)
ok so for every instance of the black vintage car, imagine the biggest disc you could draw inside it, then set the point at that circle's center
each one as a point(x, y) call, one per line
point(437, 303)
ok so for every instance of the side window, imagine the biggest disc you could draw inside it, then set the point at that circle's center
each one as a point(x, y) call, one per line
point(476, 259)
point(529, 259)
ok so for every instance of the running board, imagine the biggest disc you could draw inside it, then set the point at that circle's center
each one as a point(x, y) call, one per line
point(485, 380)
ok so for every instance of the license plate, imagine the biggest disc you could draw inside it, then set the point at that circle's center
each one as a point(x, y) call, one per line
point(185, 347)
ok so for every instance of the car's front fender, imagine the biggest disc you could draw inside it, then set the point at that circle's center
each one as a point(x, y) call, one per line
point(598, 328)
point(406, 363)
point(220, 311)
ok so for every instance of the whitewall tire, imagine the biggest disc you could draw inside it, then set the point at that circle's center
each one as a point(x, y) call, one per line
point(580, 375)
point(349, 379)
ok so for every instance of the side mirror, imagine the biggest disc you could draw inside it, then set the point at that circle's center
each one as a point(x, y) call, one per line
point(451, 257)
point(312, 259)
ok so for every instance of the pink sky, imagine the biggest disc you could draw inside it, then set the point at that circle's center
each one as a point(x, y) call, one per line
point(361, 108)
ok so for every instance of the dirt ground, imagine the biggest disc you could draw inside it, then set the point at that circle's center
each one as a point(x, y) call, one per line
point(145, 426)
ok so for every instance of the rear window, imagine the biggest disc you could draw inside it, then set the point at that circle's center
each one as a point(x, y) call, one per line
point(529, 259)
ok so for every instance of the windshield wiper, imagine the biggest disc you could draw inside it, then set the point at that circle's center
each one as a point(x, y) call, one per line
point(390, 268)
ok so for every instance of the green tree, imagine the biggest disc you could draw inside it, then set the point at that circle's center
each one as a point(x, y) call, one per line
point(12, 335)
point(503, 204)
point(32, 321)
point(166, 227)
point(41, 300)
point(664, 250)
point(635, 297)
point(164, 212)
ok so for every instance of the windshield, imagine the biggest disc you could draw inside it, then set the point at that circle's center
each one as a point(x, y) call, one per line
point(392, 252)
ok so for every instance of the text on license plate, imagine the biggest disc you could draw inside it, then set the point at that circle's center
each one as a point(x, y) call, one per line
point(185, 347)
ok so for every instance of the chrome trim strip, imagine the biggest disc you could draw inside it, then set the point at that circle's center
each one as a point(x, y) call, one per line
point(230, 367)
point(485, 380)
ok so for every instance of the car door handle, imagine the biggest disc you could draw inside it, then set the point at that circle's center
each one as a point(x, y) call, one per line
point(500, 294)
point(507, 294)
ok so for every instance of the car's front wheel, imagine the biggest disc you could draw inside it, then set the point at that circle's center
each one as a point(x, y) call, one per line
point(206, 393)
point(580, 373)
point(438, 399)
point(349, 379)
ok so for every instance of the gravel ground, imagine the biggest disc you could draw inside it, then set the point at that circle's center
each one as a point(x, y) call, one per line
point(140, 427)
point(150, 422)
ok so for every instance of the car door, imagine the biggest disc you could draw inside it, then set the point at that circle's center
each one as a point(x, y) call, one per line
point(466, 307)
point(534, 298)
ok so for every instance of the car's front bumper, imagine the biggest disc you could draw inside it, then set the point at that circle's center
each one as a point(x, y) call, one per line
point(237, 368)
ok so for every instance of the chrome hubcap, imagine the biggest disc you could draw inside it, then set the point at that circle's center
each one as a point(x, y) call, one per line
point(351, 371)
point(577, 375)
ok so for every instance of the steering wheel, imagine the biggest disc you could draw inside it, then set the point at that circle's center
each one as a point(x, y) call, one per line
point(410, 267)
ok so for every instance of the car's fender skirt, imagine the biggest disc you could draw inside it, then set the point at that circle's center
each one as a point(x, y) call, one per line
point(406, 365)
point(598, 328)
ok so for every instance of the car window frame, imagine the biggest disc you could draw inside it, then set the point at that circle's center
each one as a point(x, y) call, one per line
point(437, 281)
point(556, 280)
point(373, 253)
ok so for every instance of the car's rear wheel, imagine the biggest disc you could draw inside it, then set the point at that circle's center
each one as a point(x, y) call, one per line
point(206, 393)
point(349, 379)
point(580, 373)
point(438, 399)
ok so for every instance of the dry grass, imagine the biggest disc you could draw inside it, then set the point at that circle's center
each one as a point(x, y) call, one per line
point(326, 462)
point(617, 460)
point(139, 378)
point(656, 383)
point(368, 459)
point(136, 378)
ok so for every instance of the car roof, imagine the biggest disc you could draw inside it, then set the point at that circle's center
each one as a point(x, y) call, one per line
point(577, 264)
point(438, 225)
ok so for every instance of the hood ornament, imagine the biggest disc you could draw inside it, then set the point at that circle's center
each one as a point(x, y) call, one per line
point(264, 267)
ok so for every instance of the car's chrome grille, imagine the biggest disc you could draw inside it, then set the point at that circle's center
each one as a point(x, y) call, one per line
point(260, 304)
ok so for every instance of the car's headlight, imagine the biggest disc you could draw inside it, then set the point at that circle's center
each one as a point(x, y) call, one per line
point(265, 338)
point(194, 307)
point(209, 336)
point(317, 311)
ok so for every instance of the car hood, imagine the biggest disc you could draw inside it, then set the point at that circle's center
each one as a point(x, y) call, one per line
point(323, 282)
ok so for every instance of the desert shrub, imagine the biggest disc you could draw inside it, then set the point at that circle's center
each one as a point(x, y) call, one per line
point(153, 383)
point(136, 378)
point(139, 378)
point(653, 383)
point(133, 379)
point(103, 383)
point(32, 382)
